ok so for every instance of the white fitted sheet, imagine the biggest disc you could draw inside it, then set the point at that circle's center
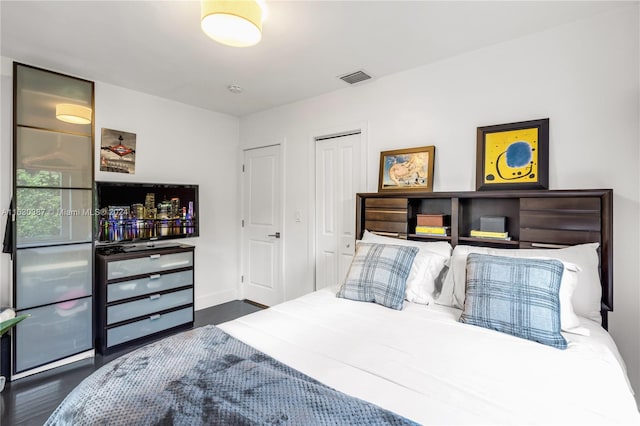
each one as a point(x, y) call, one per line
point(424, 365)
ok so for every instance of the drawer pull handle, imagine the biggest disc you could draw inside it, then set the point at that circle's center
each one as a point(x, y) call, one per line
point(154, 297)
point(154, 256)
point(154, 277)
point(155, 317)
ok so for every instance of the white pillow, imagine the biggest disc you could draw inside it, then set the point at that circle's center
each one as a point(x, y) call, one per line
point(569, 321)
point(427, 265)
point(588, 290)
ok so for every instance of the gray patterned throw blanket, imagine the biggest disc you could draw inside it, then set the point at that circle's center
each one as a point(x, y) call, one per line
point(206, 377)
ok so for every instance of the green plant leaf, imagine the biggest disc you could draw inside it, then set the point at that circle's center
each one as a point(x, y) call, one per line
point(6, 325)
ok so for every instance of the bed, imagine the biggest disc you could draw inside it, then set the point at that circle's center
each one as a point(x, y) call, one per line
point(405, 351)
point(420, 363)
point(423, 364)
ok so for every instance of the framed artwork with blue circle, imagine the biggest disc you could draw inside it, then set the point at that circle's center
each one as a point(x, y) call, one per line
point(513, 156)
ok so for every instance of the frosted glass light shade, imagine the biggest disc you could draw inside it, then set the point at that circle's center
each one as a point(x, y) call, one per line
point(234, 23)
point(75, 114)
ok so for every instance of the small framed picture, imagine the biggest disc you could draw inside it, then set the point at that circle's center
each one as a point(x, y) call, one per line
point(513, 156)
point(408, 169)
point(118, 151)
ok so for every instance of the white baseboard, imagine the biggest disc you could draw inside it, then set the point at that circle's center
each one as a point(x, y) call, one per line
point(213, 299)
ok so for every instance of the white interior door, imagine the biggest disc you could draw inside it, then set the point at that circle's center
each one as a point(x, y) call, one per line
point(262, 238)
point(338, 178)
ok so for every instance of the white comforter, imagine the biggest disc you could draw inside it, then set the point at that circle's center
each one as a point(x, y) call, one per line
point(424, 365)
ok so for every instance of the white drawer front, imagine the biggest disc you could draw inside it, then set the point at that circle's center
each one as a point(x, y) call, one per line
point(53, 332)
point(151, 325)
point(148, 305)
point(152, 284)
point(148, 264)
point(50, 274)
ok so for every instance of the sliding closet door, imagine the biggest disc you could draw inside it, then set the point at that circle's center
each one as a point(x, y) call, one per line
point(52, 227)
point(338, 178)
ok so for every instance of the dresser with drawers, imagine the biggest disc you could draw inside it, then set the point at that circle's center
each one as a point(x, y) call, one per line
point(142, 295)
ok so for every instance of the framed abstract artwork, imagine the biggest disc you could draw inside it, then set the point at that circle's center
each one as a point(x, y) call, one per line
point(408, 169)
point(513, 156)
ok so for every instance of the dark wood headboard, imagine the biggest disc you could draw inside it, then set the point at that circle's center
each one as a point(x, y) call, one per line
point(535, 219)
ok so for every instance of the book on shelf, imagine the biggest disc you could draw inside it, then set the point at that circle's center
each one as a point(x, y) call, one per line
point(432, 230)
point(433, 219)
point(489, 234)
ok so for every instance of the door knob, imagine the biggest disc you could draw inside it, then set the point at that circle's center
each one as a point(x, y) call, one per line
point(277, 235)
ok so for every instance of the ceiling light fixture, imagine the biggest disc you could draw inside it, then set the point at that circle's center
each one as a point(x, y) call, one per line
point(236, 23)
point(75, 114)
point(234, 88)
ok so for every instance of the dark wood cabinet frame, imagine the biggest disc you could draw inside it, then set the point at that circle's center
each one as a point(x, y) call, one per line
point(535, 219)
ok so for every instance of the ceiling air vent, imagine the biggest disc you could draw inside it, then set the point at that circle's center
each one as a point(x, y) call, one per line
point(355, 77)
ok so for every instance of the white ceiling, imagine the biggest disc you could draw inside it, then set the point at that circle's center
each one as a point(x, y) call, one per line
point(157, 47)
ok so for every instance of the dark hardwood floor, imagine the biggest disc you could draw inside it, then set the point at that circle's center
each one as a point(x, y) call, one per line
point(30, 400)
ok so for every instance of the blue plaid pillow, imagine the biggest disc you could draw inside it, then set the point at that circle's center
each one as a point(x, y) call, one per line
point(517, 296)
point(378, 273)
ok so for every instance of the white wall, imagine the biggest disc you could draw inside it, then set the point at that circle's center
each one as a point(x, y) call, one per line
point(583, 76)
point(176, 143)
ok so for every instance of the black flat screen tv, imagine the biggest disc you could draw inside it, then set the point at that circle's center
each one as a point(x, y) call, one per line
point(129, 212)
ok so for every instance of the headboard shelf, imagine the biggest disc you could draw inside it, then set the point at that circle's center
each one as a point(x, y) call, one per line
point(487, 242)
point(534, 218)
